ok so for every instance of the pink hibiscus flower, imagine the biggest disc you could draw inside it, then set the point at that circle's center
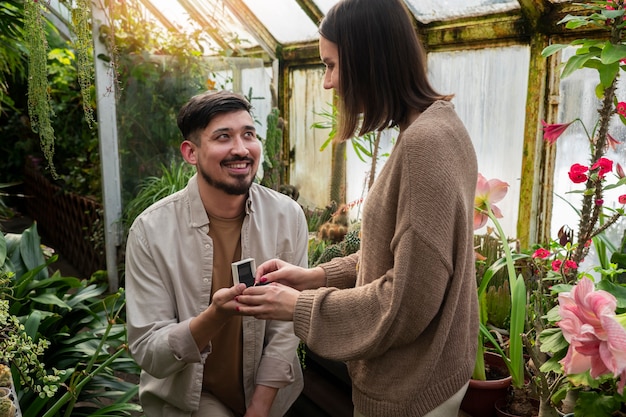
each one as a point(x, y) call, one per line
point(597, 340)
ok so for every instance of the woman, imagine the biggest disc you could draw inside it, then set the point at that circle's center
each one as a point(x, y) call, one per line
point(403, 311)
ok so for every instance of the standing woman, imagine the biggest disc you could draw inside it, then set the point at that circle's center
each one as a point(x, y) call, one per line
point(402, 312)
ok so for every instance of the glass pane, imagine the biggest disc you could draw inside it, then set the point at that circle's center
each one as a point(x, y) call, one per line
point(325, 5)
point(495, 120)
point(430, 10)
point(285, 20)
point(229, 29)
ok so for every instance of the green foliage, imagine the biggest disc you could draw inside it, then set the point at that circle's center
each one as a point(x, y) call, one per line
point(366, 148)
point(82, 328)
point(154, 188)
point(273, 165)
point(324, 252)
point(158, 71)
point(39, 107)
point(12, 53)
point(317, 217)
point(76, 147)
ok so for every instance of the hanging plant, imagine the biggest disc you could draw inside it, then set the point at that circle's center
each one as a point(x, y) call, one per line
point(81, 19)
point(39, 108)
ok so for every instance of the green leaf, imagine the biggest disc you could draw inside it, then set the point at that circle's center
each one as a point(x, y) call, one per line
point(552, 365)
point(612, 53)
point(608, 73)
point(30, 248)
point(50, 299)
point(617, 290)
point(3, 249)
point(576, 62)
point(551, 49)
point(31, 326)
point(552, 340)
point(573, 22)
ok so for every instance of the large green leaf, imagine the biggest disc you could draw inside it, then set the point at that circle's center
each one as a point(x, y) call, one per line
point(612, 53)
point(3, 250)
point(30, 248)
point(551, 49)
point(31, 325)
point(50, 299)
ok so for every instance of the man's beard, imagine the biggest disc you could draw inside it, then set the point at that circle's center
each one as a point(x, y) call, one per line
point(241, 186)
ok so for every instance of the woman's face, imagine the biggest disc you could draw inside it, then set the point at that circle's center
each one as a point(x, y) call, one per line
point(329, 53)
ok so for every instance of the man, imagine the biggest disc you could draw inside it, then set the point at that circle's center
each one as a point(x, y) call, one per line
point(198, 357)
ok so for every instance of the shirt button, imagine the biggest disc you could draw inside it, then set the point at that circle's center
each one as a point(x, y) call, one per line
point(206, 280)
point(206, 246)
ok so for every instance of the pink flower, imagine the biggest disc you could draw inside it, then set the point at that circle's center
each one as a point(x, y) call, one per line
point(612, 142)
point(597, 340)
point(541, 253)
point(488, 192)
point(620, 171)
point(556, 265)
point(621, 108)
point(599, 202)
point(551, 132)
point(604, 165)
point(577, 173)
point(622, 199)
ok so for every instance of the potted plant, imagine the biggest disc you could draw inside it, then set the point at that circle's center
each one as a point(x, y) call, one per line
point(482, 394)
point(557, 337)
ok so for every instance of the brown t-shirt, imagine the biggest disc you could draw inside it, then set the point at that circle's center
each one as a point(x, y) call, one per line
point(223, 369)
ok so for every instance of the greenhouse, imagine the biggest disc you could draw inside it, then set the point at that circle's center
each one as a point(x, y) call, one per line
point(523, 130)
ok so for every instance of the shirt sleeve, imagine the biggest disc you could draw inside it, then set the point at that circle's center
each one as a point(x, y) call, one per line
point(158, 342)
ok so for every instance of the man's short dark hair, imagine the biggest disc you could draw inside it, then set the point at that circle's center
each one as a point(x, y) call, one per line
point(197, 113)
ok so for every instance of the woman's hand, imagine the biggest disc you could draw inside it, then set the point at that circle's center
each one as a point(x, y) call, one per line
point(269, 302)
point(276, 270)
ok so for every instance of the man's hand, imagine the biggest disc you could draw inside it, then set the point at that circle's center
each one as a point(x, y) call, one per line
point(223, 306)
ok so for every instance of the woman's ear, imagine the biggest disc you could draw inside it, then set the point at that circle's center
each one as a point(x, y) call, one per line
point(188, 151)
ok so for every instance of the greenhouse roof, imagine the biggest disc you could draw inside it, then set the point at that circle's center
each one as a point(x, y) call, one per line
point(272, 25)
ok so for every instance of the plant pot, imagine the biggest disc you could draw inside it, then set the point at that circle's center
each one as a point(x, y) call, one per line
point(531, 408)
point(480, 397)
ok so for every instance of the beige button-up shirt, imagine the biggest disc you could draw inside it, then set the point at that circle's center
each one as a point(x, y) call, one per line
point(169, 264)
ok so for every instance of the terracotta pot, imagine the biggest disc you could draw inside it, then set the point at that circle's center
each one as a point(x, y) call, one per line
point(480, 398)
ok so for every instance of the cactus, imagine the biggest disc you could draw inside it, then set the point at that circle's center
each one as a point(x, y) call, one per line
point(273, 150)
point(7, 408)
point(5, 376)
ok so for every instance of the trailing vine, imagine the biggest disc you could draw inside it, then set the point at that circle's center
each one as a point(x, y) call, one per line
point(81, 15)
point(39, 108)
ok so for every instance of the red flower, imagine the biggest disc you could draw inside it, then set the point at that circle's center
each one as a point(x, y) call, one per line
point(569, 264)
point(551, 132)
point(622, 199)
point(599, 202)
point(621, 108)
point(541, 253)
point(556, 264)
point(604, 164)
point(577, 173)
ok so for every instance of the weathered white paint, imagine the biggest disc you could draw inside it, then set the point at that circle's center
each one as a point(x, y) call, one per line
point(311, 171)
point(490, 97)
point(109, 157)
